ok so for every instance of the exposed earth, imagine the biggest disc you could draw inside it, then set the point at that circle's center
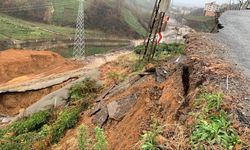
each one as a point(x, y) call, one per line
point(22, 65)
point(27, 76)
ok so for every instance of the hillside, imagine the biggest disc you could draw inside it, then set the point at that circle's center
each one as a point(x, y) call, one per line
point(14, 28)
point(123, 22)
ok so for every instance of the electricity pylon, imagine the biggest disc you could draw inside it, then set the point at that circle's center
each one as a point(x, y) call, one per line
point(79, 43)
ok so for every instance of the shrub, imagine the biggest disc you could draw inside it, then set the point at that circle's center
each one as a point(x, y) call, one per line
point(84, 89)
point(66, 120)
point(139, 49)
point(22, 142)
point(27, 140)
point(101, 142)
point(35, 122)
point(173, 48)
point(10, 145)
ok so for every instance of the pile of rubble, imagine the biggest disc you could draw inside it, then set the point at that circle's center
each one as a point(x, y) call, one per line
point(111, 106)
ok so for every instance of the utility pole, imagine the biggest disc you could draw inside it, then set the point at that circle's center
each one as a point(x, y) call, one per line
point(155, 26)
point(79, 43)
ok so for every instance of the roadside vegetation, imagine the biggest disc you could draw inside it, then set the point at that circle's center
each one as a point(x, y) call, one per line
point(87, 143)
point(83, 90)
point(133, 64)
point(148, 139)
point(213, 129)
point(42, 129)
point(163, 50)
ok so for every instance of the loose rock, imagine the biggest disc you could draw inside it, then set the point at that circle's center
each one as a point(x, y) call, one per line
point(101, 117)
point(118, 109)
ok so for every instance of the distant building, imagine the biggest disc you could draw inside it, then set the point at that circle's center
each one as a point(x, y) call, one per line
point(211, 9)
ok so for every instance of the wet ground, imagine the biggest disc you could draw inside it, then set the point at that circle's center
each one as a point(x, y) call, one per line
point(236, 35)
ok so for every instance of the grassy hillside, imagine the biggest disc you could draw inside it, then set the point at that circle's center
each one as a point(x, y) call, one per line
point(111, 17)
point(19, 29)
point(99, 20)
point(65, 13)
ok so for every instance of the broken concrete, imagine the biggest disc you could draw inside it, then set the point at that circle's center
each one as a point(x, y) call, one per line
point(97, 108)
point(101, 117)
point(105, 94)
point(118, 109)
point(123, 86)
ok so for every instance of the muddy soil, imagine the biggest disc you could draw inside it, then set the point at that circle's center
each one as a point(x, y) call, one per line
point(24, 65)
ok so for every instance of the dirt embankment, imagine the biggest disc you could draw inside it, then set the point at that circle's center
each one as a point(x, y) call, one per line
point(24, 65)
point(169, 101)
point(12, 103)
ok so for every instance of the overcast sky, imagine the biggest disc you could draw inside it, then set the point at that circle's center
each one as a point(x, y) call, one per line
point(199, 3)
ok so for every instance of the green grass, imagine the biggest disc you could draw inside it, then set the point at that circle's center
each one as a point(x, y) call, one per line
point(163, 50)
point(24, 30)
point(211, 101)
point(83, 141)
point(2, 37)
point(101, 142)
point(14, 28)
point(214, 132)
point(213, 128)
point(133, 22)
point(24, 132)
point(148, 138)
point(27, 124)
point(59, 11)
point(65, 11)
point(66, 120)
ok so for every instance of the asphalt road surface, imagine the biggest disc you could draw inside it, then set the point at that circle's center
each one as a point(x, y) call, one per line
point(236, 35)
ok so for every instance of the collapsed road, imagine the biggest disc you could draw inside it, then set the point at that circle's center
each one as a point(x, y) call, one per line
point(236, 35)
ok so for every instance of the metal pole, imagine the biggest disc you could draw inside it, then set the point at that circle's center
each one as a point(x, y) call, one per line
point(79, 44)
